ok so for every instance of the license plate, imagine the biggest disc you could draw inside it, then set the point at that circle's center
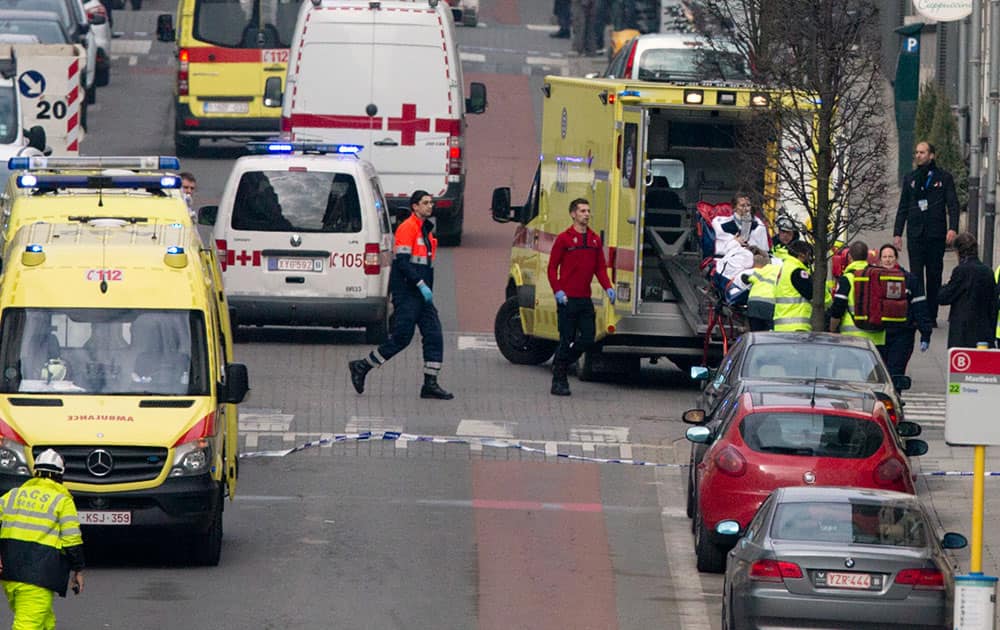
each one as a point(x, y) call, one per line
point(219, 107)
point(104, 517)
point(860, 581)
point(295, 264)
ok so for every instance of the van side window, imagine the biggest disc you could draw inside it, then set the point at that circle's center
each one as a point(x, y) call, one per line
point(301, 201)
point(385, 224)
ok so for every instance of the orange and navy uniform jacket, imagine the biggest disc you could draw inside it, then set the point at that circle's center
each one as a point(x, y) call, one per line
point(574, 261)
point(414, 252)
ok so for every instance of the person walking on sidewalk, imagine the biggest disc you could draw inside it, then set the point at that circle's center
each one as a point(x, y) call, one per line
point(585, 26)
point(577, 257)
point(411, 283)
point(562, 10)
point(972, 294)
point(928, 209)
point(40, 544)
point(899, 337)
point(842, 309)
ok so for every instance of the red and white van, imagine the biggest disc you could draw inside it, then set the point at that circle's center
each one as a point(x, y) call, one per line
point(386, 76)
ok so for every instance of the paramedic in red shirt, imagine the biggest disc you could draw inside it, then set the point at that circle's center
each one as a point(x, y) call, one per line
point(577, 256)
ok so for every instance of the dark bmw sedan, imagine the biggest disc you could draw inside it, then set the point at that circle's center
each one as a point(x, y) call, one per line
point(826, 557)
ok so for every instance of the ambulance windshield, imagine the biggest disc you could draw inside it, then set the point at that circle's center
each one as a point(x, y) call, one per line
point(104, 351)
point(246, 23)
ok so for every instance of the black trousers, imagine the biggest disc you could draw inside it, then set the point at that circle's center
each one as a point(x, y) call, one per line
point(898, 349)
point(927, 256)
point(561, 9)
point(576, 330)
point(759, 323)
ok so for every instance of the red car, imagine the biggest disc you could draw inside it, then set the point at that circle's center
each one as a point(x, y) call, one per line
point(784, 435)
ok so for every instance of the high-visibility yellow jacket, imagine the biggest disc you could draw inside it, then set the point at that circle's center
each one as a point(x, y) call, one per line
point(847, 325)
point(763, 282)
point(40, 539)
point(791, 311)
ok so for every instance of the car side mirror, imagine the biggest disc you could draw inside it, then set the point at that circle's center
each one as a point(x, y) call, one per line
point(501, 208)
point(476, 103)
point(908, 429)
point(165, 27)
point(237, 384)
point(901, 382)
point(954, 540)
point(207, 215)
point(700, 373)
point(916, 448)
point(36, 138)
point(699, 435)
point(693, 416)
point(272, 92)
point(97, 19)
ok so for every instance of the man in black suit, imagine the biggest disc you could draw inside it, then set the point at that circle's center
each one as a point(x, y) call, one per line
point(929, 204)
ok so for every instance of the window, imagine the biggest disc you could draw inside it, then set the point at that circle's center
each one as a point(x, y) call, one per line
point(59, 7)
point(42, 31)
point(691, 64)
point(104, 351)
point(809, 361)
point(861, 523)
point(246, 23)
point(811, 435)
point(8, 117)
point(302, 201)
point(385, 223)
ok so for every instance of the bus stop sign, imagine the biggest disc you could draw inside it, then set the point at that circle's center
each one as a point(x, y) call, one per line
point(973, 397)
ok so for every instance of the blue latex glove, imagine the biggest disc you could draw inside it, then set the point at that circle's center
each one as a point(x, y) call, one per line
point(924, 345)
point(611, 295)
point(426, 291)
point(561, 297)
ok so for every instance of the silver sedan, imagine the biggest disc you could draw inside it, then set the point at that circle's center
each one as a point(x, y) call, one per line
point(824, 557)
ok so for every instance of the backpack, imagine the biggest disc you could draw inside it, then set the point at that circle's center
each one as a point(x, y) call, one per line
point(879, 298)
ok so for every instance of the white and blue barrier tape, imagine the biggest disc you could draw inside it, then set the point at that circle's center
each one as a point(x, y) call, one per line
point(365, 436)
point(392, 436)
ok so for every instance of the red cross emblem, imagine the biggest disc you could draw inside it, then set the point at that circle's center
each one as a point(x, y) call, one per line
point(409, 124)
point(245, 257)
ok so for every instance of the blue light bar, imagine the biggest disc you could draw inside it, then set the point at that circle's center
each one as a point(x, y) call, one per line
point(149, 163)
point(284, 148)
point(157, 182)
point(34, 248)
point(629, 93)
point(175, 249)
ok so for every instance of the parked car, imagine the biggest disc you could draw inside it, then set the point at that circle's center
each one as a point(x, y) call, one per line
point(100, 23)
point(792, 436)
point(677, 57)
point(839, 557)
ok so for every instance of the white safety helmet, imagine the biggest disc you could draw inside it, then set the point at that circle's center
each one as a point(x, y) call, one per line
point(50, 461)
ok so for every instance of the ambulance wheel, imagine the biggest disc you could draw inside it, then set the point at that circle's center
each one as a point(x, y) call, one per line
point(185, 146)
point(514, 345)
point(207, 545)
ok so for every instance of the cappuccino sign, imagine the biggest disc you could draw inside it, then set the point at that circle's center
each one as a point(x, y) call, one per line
point(943, 10)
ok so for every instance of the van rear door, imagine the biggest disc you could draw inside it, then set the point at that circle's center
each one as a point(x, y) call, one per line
point(411, 150)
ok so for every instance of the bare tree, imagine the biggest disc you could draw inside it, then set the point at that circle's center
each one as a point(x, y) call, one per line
point(824, 133)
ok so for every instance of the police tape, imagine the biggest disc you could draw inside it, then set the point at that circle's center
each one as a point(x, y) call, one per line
point(392, 436)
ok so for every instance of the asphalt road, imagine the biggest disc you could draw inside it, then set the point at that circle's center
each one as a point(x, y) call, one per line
point(414, 534)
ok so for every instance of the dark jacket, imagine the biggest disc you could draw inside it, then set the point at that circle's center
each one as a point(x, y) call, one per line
point(917, 315)
point(937, 186)
point(971, 293)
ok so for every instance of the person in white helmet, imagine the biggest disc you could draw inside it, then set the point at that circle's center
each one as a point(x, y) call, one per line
point(41, 546)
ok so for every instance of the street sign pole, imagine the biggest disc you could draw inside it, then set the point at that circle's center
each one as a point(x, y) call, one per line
point(978, 493)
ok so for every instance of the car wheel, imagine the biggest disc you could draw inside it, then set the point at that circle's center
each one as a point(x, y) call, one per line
point(690, 491)
point(91, 93)
point(710, 557)
point(102, 77)
point(206, 548)
point(185, 146)
point(514, 345)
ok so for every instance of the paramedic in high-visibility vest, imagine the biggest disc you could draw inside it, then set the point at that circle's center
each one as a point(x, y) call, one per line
point(411, 283)
point(763, 280)
point(577, 256)
point(842, 310)
point(786, 235)
point(794, 291)
point(41, 547)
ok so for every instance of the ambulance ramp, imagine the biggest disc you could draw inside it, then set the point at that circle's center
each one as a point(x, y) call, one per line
point(691, 295)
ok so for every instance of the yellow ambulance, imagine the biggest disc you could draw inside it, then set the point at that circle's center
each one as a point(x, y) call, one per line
point(116, 351)
point(231, 61)
point(644, 154)
point(58, 189)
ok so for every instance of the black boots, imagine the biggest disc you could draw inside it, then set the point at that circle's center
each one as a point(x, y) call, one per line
point(359, 369)
point(431, 389)
point(562, 33)
point(560, 384)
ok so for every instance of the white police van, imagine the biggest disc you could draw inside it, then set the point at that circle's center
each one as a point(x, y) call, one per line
point(304, 238)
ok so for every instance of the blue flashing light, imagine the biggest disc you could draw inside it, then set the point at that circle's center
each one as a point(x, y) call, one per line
point(18, 163)
point(169, 163)
point(33, 249)
point(54, 182)
point(26, 181)
point(175, 226)
point(352, 149)
point(282, 147)
point(629, 93)
point(175, 249)
point(170, 181)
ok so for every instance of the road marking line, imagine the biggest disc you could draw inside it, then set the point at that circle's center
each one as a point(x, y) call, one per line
point(546, 61)
point(476, 342)
point(472, 57)
point(133, 60)
point(545, 28)
point(265, 420)
point(551, 449)
point(598, 433)
point(131, 46)
point(486, 428)
point(375, 424)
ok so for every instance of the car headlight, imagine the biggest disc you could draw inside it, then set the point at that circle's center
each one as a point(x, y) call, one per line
point(192, 458)
point(12, 460)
